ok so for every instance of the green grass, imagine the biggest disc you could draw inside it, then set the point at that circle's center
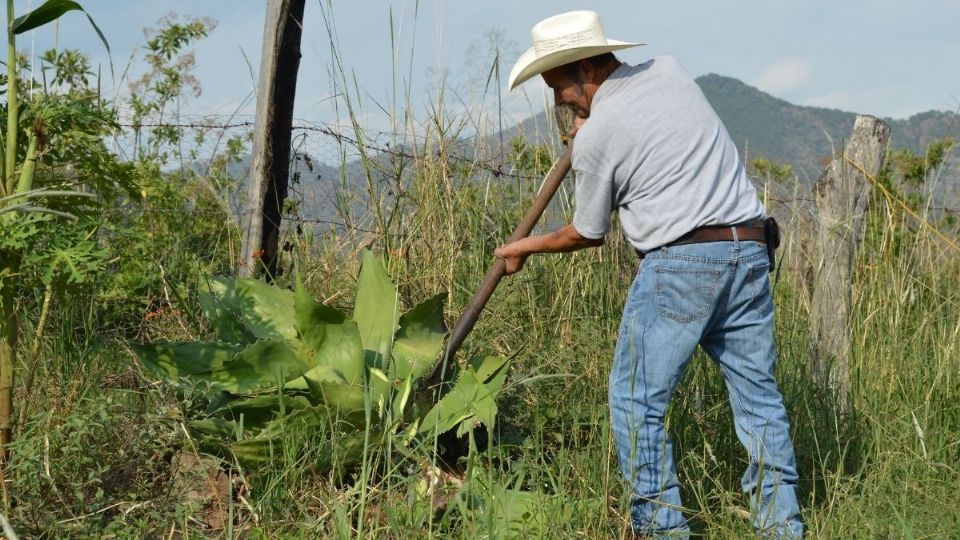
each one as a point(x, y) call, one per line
point(92, 458)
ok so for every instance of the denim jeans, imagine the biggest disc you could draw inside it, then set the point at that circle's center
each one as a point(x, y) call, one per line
point(716, 295)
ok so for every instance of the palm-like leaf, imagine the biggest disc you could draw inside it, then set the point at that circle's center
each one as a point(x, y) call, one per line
point(329, 338)
point(288, 362)
point(471, 401)
point(375, 311)
point(419, 340)
point(50, 11)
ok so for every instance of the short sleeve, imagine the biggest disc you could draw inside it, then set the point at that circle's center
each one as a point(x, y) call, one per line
point(593, 205)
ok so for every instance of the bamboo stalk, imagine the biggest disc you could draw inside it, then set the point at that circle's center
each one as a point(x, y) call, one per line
point(8, 347)
point(41, 324)
point(34, 352)
point(29, 165)
point(12, 101)
point(8, 317)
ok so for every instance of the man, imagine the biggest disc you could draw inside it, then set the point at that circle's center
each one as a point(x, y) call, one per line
point(654, 150)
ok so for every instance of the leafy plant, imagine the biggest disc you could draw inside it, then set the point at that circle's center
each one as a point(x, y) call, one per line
point(285, 361)
point(18, 195)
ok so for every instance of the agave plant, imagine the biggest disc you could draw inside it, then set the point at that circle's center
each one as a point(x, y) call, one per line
point(285, 360)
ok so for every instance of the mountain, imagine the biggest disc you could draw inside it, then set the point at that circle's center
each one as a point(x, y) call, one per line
point(760, 124)
point(764, 125)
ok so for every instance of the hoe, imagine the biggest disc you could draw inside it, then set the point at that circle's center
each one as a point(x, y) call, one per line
point(470, 315)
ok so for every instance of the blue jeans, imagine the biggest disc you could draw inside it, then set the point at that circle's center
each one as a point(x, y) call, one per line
point(717, 295)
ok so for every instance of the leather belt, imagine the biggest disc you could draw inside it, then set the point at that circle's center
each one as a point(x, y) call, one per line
point(719, 233)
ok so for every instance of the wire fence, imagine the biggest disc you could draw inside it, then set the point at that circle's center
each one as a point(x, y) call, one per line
point(340, 151)
point(495, 164)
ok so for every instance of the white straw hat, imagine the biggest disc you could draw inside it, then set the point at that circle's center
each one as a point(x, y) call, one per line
point(562, 39)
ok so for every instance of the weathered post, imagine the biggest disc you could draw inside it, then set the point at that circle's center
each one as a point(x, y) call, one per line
point(842, 193)
point(276, 89)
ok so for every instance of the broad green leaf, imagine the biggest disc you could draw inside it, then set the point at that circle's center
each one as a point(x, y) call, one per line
point(340, 449)
point(50, 11)
point(419, 339)
point(487, 366)
point(344, 400)
point(375, 311)
point(453, 408)
point(256, 411)
point(330, 338)
point(318, 374)
point(213, 434)
point(484, 409)
point(268, 443)
point(47, 12)
point(265, 364)
point(224, 318)
point(267, 310)
point(172, 361)
point(215, 427)
point(327, 387)
point(264, 310)
point(399, 405)
point(470, 401)
point(225, 366)
point(522, 514)
point(379, 386)
point(256, 450)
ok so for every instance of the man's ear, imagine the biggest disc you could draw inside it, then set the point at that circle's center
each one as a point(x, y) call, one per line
point(587, 71)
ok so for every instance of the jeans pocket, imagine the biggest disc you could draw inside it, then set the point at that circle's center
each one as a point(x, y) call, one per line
point(686, 295)
point(758, 286)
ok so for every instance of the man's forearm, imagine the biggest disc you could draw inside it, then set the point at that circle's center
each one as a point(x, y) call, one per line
point(561, 240)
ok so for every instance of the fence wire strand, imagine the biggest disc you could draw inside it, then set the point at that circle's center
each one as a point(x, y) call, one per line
point(497, 167)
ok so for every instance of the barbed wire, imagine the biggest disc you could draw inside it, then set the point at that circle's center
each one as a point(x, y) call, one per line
point(791, 201)
point(496, 169)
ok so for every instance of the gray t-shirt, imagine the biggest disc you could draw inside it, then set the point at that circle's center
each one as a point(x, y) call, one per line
point(655, 150)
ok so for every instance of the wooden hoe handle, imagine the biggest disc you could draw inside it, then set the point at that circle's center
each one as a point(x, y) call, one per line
point(470, 315)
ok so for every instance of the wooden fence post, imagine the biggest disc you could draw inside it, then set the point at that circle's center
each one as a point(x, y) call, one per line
point(276, 89)
point(842, 193)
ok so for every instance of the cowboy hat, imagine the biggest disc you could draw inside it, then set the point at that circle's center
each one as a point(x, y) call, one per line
point(562, 39)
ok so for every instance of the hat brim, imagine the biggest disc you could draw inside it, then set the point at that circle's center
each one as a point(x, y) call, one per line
point(528, 65)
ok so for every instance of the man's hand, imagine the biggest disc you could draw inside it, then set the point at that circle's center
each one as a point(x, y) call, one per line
point(512, 255)
point(561, 240)
point(578, 122)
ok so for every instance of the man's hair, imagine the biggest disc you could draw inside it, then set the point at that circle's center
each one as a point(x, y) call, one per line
point(599, 61)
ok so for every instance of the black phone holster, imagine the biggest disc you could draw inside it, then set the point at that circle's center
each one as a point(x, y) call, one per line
point(771, 234)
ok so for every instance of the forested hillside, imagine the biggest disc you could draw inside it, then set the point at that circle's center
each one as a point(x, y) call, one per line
point(765, 126)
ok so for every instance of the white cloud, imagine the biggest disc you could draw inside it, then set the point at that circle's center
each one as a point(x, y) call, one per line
point(784, 75)
point(894, 101)
point(836, 99)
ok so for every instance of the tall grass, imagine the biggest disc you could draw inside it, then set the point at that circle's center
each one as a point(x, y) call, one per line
point(886, 469)
point(92, 458)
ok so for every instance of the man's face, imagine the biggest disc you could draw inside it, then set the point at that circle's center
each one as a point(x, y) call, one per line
point(569, 91)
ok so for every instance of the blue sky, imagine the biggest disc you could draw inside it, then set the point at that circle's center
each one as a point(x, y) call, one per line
point(889, 58)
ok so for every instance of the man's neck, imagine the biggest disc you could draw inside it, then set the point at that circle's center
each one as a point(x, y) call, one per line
point(608, 70)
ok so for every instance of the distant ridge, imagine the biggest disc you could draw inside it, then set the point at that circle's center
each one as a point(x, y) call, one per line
point(760, 125)
point(763, 125)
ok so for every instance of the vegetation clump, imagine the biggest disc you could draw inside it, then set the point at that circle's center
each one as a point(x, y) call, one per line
point(285, 361)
